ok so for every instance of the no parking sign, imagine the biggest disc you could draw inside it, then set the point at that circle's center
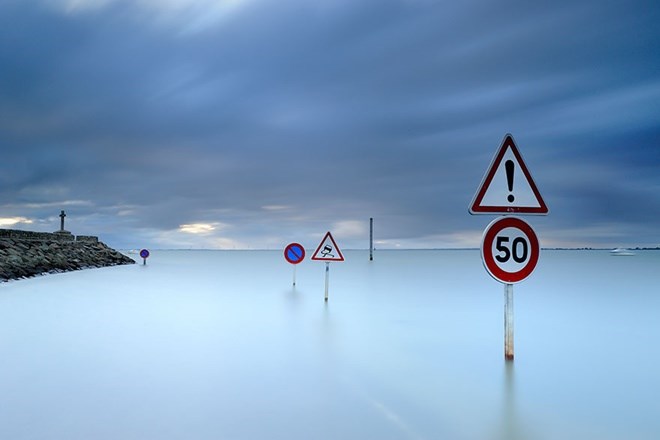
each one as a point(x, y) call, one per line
point(294, 253)
point(144, 253)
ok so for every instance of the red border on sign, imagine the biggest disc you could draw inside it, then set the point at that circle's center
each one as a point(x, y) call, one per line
point(487, 245)
point(339, 258)
point(286, 253)
point(477, 208)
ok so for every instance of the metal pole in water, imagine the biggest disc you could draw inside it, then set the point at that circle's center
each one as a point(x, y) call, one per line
point(371, 239)
point(508, 322)
point(327, 279)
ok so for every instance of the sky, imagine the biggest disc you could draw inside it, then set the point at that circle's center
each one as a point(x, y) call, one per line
point(250, 124)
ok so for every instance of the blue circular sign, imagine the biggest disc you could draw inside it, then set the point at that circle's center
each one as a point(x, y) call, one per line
point(144, 253)
point(294, 253)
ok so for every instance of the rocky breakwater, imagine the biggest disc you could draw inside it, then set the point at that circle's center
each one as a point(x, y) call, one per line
point(25, 254)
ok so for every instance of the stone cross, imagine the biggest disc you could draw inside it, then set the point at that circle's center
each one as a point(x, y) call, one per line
point(62, 215)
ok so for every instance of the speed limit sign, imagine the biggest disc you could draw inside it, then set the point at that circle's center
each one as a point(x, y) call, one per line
point(509, 249)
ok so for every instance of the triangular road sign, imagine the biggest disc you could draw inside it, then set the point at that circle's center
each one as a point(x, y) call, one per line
point(328, 250)
point(508, 187)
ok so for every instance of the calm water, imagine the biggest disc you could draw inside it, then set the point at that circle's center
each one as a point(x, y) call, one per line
point(218, 345)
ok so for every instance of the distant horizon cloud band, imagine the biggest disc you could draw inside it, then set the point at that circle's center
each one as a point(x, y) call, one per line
point(250, 124)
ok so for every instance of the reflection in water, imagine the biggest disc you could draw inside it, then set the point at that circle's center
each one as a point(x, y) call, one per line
point(510, 425)
point(293, 297)
point(327, 333)
point(512, 428)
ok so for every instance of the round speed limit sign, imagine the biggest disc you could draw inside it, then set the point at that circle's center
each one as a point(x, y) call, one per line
point(509, 249)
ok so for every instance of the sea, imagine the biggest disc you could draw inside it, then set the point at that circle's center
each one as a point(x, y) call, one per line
point(222, 345)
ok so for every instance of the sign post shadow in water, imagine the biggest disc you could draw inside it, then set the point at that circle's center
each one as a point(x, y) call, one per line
point(327, 251)
point(294, 253)
point(509, 246)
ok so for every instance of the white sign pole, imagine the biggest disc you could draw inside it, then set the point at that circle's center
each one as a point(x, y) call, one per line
point(327, 279)
point(294, 275)
point(508, 321)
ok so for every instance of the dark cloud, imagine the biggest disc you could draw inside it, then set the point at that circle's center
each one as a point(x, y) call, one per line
point(289, 118)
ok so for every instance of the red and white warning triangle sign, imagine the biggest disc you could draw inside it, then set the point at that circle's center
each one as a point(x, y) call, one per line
point(328, 250)
point(508, 186)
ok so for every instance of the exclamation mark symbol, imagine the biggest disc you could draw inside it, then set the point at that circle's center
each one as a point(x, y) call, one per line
point(509, 166)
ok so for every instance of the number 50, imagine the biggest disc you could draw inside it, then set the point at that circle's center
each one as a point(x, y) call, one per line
point(518, 244)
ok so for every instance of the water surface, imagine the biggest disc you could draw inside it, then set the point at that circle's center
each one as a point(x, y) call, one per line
point(219, 345)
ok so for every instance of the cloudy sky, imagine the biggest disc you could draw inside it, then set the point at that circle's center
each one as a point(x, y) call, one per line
point(254, 123)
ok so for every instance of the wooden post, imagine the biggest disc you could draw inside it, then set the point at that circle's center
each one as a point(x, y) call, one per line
point(508, 322)
point(371, 239)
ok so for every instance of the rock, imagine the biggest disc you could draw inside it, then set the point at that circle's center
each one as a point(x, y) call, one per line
point(25, 254)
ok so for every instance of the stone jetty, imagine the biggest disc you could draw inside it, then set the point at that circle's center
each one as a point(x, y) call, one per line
point(25, 254)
